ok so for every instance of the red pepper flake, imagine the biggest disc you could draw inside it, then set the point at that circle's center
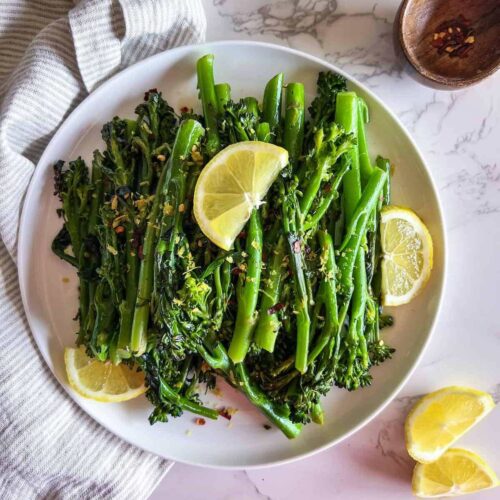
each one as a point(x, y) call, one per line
point(454, 37)
point(184, 109)
point(327, 188)
point(236, 271)
point(140, 252)
point(242, 235)
point(119, 229)
point(296, 247)
point(226, 413)
point(150, 91)
point(136, 239)
point(200, 421)
point(274, 309)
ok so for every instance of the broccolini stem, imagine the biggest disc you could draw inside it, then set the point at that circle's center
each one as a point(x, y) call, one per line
point(376, 283)
point(275, 414)
point(127, 306)
point(294, 120)
point(146, 170)
point(223, 95)
point(327, 199)
point(97, 193)
point(346, 114)
point(317, 414)
point(104, 319)
point(237, 374)
point(301, 302)
point(248, 291)
point(271, 106)
point(89, 260)
point(186, 367)
point(351, 246)
point(268, 324)
point(357, 208)
point(206, 86)
point(312, 187)
point(367, 202)
point(263, 132)
point(166, 392)
point(365, 166)
point(217, 359)
point(385, 165)
point(293, 139)
point(328, 290)
point(113, 355)
point(358, 306)
point(226, 278)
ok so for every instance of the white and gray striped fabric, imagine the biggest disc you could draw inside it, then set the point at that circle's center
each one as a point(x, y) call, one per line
point(52, 53)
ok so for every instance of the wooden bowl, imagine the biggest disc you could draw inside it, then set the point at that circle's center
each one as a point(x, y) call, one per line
point(417, 23)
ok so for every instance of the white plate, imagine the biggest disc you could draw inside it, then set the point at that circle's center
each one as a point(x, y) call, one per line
point(51, 302)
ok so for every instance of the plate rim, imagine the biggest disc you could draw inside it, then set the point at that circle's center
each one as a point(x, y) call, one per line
point(22, 258)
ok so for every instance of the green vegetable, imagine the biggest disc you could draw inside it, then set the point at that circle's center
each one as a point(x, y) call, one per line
point(294, 120)
point(247, 291)
point(206, 87)
point(223, 95)
point(355, 233)
point(291, 311)
point(271, 107)
point(268, 325)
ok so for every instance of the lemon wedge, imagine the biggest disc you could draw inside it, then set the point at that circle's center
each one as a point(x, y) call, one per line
point(231, 185)
point(407, 255)
point(457, 472)
point(100, 381)
point(440, 418)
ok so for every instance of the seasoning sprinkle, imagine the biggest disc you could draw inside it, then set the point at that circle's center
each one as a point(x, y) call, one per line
point(227, 413)
point(274, 309)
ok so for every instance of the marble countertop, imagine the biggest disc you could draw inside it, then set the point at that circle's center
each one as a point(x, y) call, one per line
point(459, 135)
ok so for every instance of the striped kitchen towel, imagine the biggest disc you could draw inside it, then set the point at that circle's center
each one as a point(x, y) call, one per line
point(52, 53)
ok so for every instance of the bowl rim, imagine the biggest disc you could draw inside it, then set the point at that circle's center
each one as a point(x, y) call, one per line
point(24, 255)
point(429, 75)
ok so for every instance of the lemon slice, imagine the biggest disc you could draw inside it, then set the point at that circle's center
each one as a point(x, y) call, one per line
point(233, 183)
point(407, 255)
point(441, 417)
point(100, 381)
point(457, 472)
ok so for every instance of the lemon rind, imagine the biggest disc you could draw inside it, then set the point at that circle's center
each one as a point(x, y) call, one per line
point(425, 457)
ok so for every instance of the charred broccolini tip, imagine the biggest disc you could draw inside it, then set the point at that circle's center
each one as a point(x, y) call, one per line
point(322, 109)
